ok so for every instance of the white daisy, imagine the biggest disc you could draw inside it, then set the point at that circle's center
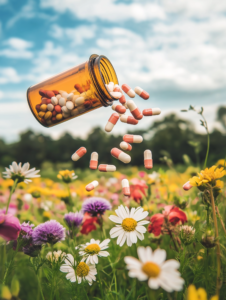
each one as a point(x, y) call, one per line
point(130, 228)
point(21, 173)
point(80, 272)
point(153, 267)
point(91, 251)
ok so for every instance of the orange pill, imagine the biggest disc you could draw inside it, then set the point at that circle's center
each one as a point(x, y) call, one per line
point(78, 154)
point(50, 94)
point(93, 161)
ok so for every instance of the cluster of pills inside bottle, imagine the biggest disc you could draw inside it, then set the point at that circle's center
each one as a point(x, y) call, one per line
point(128, 139)
point(56, 105)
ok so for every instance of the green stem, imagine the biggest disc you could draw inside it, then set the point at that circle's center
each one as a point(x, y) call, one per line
point(222, 223)
point(10, 264)
point(217, 244)
point(70, 198)
point(10, 195)
point(40, 287)
point(174, 242)
point(208, 143)
point(100, 285)
point(85, 292)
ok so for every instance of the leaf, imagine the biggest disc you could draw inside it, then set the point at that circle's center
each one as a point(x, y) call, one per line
point(184, 110)
point(191, 107)
point(130, 293)
point(202, 123)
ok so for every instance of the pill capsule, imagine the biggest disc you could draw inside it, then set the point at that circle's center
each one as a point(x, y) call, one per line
point(134, 110)
point(117, 89)
point(48, 122)
point(116, 95)
point(125, 105)
point(122, 100)
point(129, 138)
point(57, 108)
point(58, 96)
point(107, 168)
point(59, 117)
point(74, 98)
point(79, 100)
point(128, 120)
point(50, 94)
point(148, 162)
point(187, 186)
point(63, 94)
point(48, 115)
point(110, 86)
point(62, 101)
point(70, 105)
point(125, 187)
point(44, 100)
point(38, 107)
point(70, 97)
point(79, 153)
point(111, 122)
point(75, 112)
point(66, 115)
point(93, 161)
point(79, 88)
point(43, 107)
point(50, 107)
point(54, 100)
point(55, 92)
point(119, 108)
point(92, 185)
point(42, 92)
point(125, 146)
point(54, 113)
point(127, 89)
point(65, 109)
point(120, 155)
point(41, 114)
point(151, 112)
point(142, 93)
point(48, 101)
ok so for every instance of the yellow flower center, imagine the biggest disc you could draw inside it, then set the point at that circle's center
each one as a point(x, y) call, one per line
point(129, 224)
point(151, 269)
point(92, 249)
point(82, 269)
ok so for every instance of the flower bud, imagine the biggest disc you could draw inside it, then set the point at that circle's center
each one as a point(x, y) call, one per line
point(187, 234)
point(36, 194)
point(208, 239)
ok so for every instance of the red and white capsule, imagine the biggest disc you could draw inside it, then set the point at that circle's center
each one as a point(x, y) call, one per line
point(148, 162)
point(187, 186)
point(120, 155)
point(130, 138)
point(127, 89)
point(119, 108)
point(111, 122)
point(142, 93)
point(128, 120)
point(125, 146)
point(79, 153)
point(92, 185)
point(151, 112)
point(134, 110)
point(125, 187)
point(107, 168)
point(93, 161)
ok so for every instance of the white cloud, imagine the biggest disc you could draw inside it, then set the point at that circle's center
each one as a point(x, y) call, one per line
point(17, 48)
point(2, 2)
point(107, 10)
point(9, 75)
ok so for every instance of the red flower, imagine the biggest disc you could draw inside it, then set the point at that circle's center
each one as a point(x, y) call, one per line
point(89, 225)
point(137, 189)
point(9, 227)
point(170, 214)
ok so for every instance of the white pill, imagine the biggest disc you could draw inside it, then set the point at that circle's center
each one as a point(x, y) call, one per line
point(111, 122)
point(110, 86)
point(143, 94)
point(54, 100)
point(148, 162)
point(70, 97)
point(74, 99)
point(93, 161)
point(129, 138)
point(120, 155)
point(58, 97)
point(125, 187)
point(63, 94)
point(50, 107)
point(70, 105)
point(107, 168)
point(134, 110)
point(127, 89)
point(79, 100)
point(62, 101)
point(125, 146)
point(65, 110)
point(116, 95)
point(92, 185)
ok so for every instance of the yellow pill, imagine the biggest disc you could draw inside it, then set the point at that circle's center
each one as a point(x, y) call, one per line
point(48, 115)
point(59, 117)
point(41, 114)
point(43, 107)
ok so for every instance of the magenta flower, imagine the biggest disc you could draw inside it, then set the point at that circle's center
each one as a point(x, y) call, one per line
point(9, 227)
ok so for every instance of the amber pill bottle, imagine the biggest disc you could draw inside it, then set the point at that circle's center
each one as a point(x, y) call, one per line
point(72, 93)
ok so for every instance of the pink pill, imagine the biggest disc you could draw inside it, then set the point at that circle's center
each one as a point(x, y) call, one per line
point(142, 93)
point(79, 153)
point(187, 186)
point(125, 187)
point(134, 110)
point(119, 108)
point(129, 138)
point(125, 146)
point(151, 112)
point(128, 120)
point(111, 122)
point(107, 168)
point(93, 161)
point(120, 155)
point(127, 89)
point(148, 162)
point(92, 185)
point(117, 89)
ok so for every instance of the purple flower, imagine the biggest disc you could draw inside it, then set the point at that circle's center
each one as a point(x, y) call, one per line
point(95, 206)
point(9, 227)
point(32, 250)
point(73, 219)
point(26, 230)
point(48, 232)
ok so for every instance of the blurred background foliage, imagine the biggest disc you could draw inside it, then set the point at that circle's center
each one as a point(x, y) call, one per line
point(171, 140)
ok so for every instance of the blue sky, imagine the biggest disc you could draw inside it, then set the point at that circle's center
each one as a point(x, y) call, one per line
point(174, 49)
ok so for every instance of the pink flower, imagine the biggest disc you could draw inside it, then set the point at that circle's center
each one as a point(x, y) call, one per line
point(9, 227)
point(11, 211)
point(187, 186)
point(137, 189)
point(142, 174)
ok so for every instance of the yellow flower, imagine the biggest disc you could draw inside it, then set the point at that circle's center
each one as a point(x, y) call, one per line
point(47, 214)
point(207, 176)
point(199, 294)
point(221, 162)
point(67, 176)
